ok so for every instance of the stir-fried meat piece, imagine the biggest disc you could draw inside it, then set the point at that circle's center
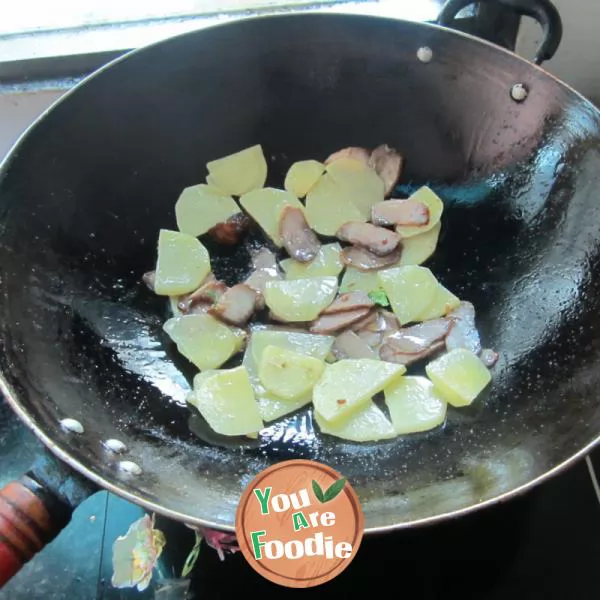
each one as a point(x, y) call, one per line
point(489, 357)
point(406, 213)
point(231, 231)
point(368, 323)
point(236, 305)
point(149, 279)
point(413, 339)
point(264, 259)
point(372, 338)
point(363, 260)
point(387, 163)
point(464, 334)
point(327, 324)
point(381, 322)
point(266, 269)
point(350, 345)
point(375, 239)
point(410, 344)
point(209, 292)
point(390, 323)
point(377, 328)
point(390, 353)
point(353, 152)
point(349, 301)
point(300, 241)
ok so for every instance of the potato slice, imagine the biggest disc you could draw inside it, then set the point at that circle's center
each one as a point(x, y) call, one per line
point(444, 301)
point(265, 207)
point(354, 280)
point(182, 263)
point(200, 207)
point(367, 425)
point(359, 183)
point(203, 340)
point(226, 400)
point(410, 290)
point(414, 405)
point(306, 344)
point(287, 374)
point(239, 173)
point(210, 182)
point(272, 407)
point(436, 207)
point(302, 176)
point(418, 248)
point(458, 376)
point(300, 299)
point(326, 263)
point(328, 207)
point(347, 386)
point(200, 378)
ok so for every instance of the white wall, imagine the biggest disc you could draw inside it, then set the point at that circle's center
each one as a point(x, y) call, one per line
point(577, 61)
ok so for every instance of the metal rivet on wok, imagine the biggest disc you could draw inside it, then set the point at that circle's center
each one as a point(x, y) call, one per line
point(130, 467)
point(425, 54)
point(116, 446)
point(71, 425)
point(518, 92)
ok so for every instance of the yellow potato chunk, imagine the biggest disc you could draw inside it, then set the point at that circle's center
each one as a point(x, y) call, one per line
point(226, 400)
point(443, 302)
point(359, 183)
point(203, 340)
point(328, 207)
point(300, 299)
point(306, 344)
point(265, 207)
point(272, 407)
point(354, 280)
point(458, 376)
point(239, 173)
point(302, 176)
point(287, 374)
point(414, 405)
point(410, 290)
point(210, 182)
point(182, 263)
point(418, 248)
point(348, 385)
point(199, 208)
point(201, 377)
point(326, 263)
point(436, 207)
point(369, 424)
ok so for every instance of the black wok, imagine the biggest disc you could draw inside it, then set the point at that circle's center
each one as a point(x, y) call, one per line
point(85, 191)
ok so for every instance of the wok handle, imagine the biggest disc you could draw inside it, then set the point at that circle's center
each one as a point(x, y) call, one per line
point(36, 508)
point(30, 518)
point(543, 11)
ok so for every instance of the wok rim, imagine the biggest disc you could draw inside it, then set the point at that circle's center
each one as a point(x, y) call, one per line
point(103, 483)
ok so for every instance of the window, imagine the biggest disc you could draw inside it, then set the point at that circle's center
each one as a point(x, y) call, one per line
point(38, 35)
point(36, 15)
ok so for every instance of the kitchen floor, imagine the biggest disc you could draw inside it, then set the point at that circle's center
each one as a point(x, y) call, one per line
point(543, 545)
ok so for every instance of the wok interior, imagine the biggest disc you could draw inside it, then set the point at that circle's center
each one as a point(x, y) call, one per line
point(84, 195)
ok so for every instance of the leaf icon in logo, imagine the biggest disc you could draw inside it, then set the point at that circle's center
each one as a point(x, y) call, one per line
point(318, 491)
point(332, 491)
